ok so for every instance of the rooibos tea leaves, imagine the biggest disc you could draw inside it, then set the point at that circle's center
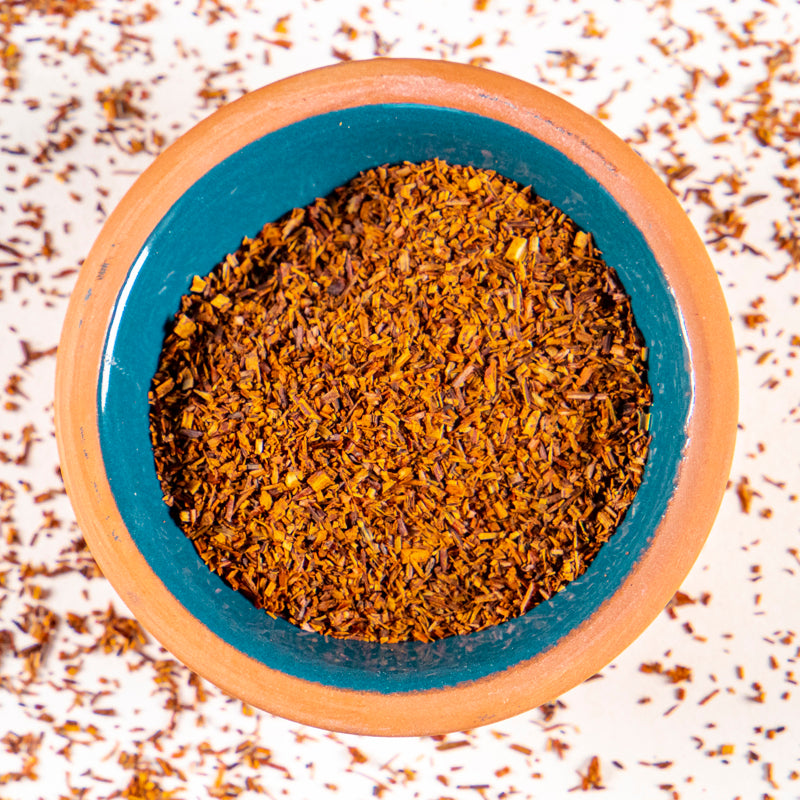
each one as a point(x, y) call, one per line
point(413, 409)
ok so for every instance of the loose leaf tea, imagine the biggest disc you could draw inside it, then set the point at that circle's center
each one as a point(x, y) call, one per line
point(413, 409)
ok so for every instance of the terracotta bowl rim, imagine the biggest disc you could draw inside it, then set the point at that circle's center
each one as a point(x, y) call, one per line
point(710, 432)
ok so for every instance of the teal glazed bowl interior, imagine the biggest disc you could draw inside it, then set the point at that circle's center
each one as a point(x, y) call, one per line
point(289, 167)
point(261, 182)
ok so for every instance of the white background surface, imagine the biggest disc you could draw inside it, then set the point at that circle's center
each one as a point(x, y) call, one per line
point(742, 641)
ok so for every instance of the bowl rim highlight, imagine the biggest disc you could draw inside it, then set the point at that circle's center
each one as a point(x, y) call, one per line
point(710, 432)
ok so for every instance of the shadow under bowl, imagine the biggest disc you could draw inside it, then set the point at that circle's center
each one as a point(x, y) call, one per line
point(280, 148)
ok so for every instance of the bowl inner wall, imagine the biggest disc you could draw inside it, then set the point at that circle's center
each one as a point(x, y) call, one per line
point(289, 168)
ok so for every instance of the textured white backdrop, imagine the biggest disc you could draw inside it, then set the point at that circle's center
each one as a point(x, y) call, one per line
point(688, 87)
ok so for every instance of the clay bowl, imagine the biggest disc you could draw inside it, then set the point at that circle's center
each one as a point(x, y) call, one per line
point(281, 147)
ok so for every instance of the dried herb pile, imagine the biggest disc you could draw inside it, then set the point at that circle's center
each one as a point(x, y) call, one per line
point(413, 409)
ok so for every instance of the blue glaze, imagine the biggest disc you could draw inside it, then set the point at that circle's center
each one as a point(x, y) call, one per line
point(289, 168)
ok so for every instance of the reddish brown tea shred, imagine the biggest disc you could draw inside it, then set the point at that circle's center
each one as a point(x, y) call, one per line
point(413, 409)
